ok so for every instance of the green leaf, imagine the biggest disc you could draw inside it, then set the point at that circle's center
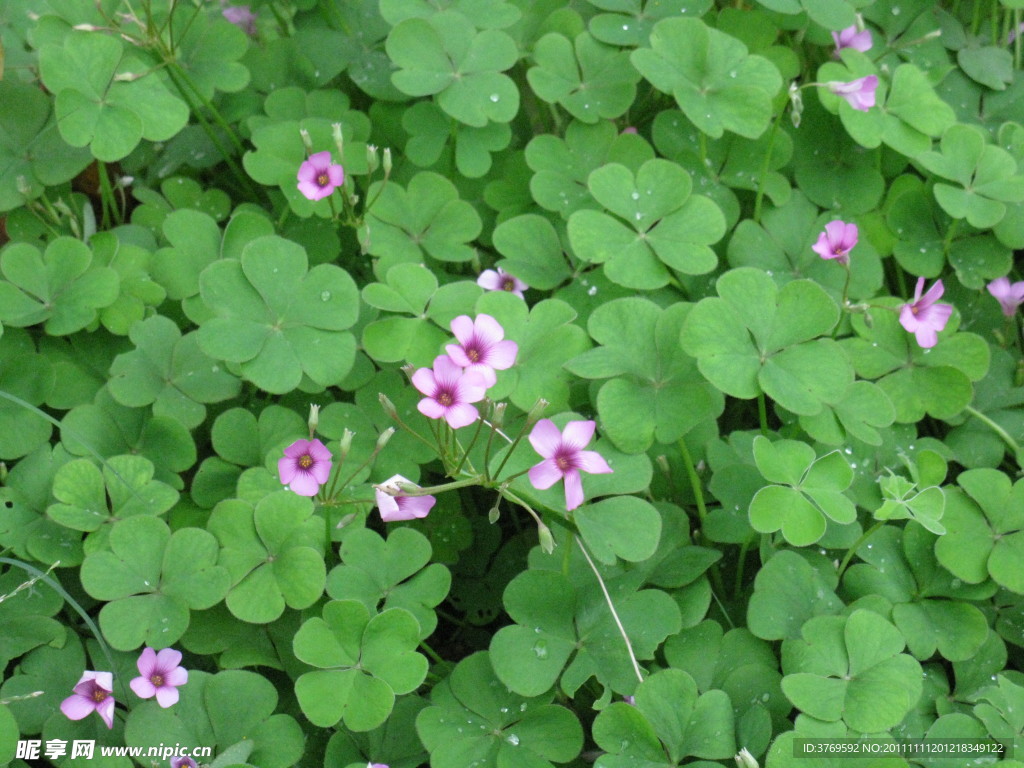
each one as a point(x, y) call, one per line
point(532, 251)
point(787, 592)
point(715, 82)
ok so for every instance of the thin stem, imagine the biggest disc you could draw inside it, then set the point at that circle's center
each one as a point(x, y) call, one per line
point(431, 653)
point(997, 429)
point(695, 484)
point(465, 454)
point(432, 489)
point(511, 450)
point(856, 545)
point(766, 166)
point(615, 615)
point(950, 234)
point(762, 413)
point(741, 562)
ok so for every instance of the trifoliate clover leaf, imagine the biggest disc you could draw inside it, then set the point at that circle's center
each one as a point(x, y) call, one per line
point(139, 292)
point(789, 591)
point(275, 320)
point(363, 663)
point(170, 372)
point(715, 82)
point(809, 490)
point(532, 251)
point(151, 579)
point(851, 669)
point(397, 573)
point(485, 14)
point(655, 392)
point(194, 243)
point(668, 228)
point(427, 218)
point(274, 553)
point(590, 80)
point(756, 337)
point(831, 14)
point(475, 720)
point(30, 146)
point(430, 130)
point(984, 522)
point(97, 108)
point(61, 287)
point(208, 49)
point(629, 22)
point(240, 438)
point(444, 55)
point(28, 376)
point(82, 492)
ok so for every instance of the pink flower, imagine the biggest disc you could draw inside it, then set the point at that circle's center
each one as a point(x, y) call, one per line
point(318, 176)
point(93, 693)
point(449, 391)
point(183, 762)
point(501, 280)
point(924, 318)
point(305, 467)
point(480, 347)
point(564, 457)
point(242, 17)
point(393, 505)
point(836, 241)
point(629, 129)
point(859, 94)
point(160, 676)
point(1009, 295)
point(852, 38)
point(376, 765)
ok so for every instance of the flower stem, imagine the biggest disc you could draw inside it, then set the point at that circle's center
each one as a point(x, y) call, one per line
point(856, 545)
point(511, 450)
point(431, 490)
point(766, 166)
point(998, 430)
point(762, 413)
point(465, 453)
point(615, 615)
point(695, 485)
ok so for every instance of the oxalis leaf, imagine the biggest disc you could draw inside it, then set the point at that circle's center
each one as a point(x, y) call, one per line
point(278, 322)
point(756, 337)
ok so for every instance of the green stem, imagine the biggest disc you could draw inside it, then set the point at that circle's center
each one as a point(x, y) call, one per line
point(766, 166)
point(762, 413)
point(856, 545)
point(511, 450)
point(950, 234)
point(695, 484)
point(431, 653)
point(465, 454)
point(702, 141)
point(432, 489)
point(997, 429)
point(739, 569)
point(107, 201)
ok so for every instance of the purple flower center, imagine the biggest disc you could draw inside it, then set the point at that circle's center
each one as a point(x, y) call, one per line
point(473, 354)
point(508, 283)
point(157, 680)
point(305, 461)
point(564, 460)
point(99, 695)
point(445, 398)
point(323, 179)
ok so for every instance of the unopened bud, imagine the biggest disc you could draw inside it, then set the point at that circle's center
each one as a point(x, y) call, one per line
point(24, 188)
point(306, 141)
point(346, 520)
point(547, 541)
point(383, 439)
point(495, 512)
point(498, 415)
point(409, 369)
point(744, 759)
point(534, 415)
point(372, 160)
point(339, 141)
point(662, 463)
point(797, 102)
point(388, 406)
point(3, 472)
point(86, 28)
point(346, 442)
point(127, 77)
point(314, 419)
point(387, 161)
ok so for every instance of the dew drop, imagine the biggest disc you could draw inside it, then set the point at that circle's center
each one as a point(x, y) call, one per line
point(325, 296)
point(495, 97)
point(635, 195)
point(512, 739)
point(540, 649)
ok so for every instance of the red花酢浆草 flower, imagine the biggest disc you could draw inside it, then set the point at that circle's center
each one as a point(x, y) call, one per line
point(318, 176)
point(449, 391)
point(1009, 295)
point(500, 280)
point(395, 505)
point(159, 675)
point(851, 37)
point(94, 692)
point(481, 347)
point(305, 466)
point(923, 317)
point(564, 458)
point(836, 242)
point(859, 93)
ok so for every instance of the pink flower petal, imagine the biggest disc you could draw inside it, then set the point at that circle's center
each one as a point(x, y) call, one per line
point(503, 355)
point(76, 707)
point(166, 696)
point(286, 469)
point(484, 376)
point(147, 662)
point(143, 687)
point(593, 462)
point(176, 676)
point(415, 507)
point(545, 438)
point(431, 408)
point(933, 294)
point(462, 327)
point(488, 330)
point(544, 475)
point(926, 336)
point(472, 386)
point(297, 449)
point(168, 658)
point(321, 471)
point(908, 319)
point(490, 280)
point(918, 289)
point(318, 452)
point(578, 433)
point(458, 355)
point(106, 711)
point(304, 484)
point(445, 370)
point(461, 415)
point(387, 505)
point(573, 490)
point(424, 381)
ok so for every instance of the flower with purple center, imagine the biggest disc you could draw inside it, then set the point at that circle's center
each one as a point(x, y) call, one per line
point(859, 94)
point(394, 505)
point(836, 241)
point(93, 693)
point(923, 317)
point(183, 762)
point(500, 280)
point(851, 37)
point(449, 390)
point(242, 17)
point(1009, 295)
point(481, 347)
point(564, 458)
point(306, 465)
point(318, 176)
point(159, 675)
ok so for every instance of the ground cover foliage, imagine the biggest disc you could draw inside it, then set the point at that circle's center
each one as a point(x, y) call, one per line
point(664, 359)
